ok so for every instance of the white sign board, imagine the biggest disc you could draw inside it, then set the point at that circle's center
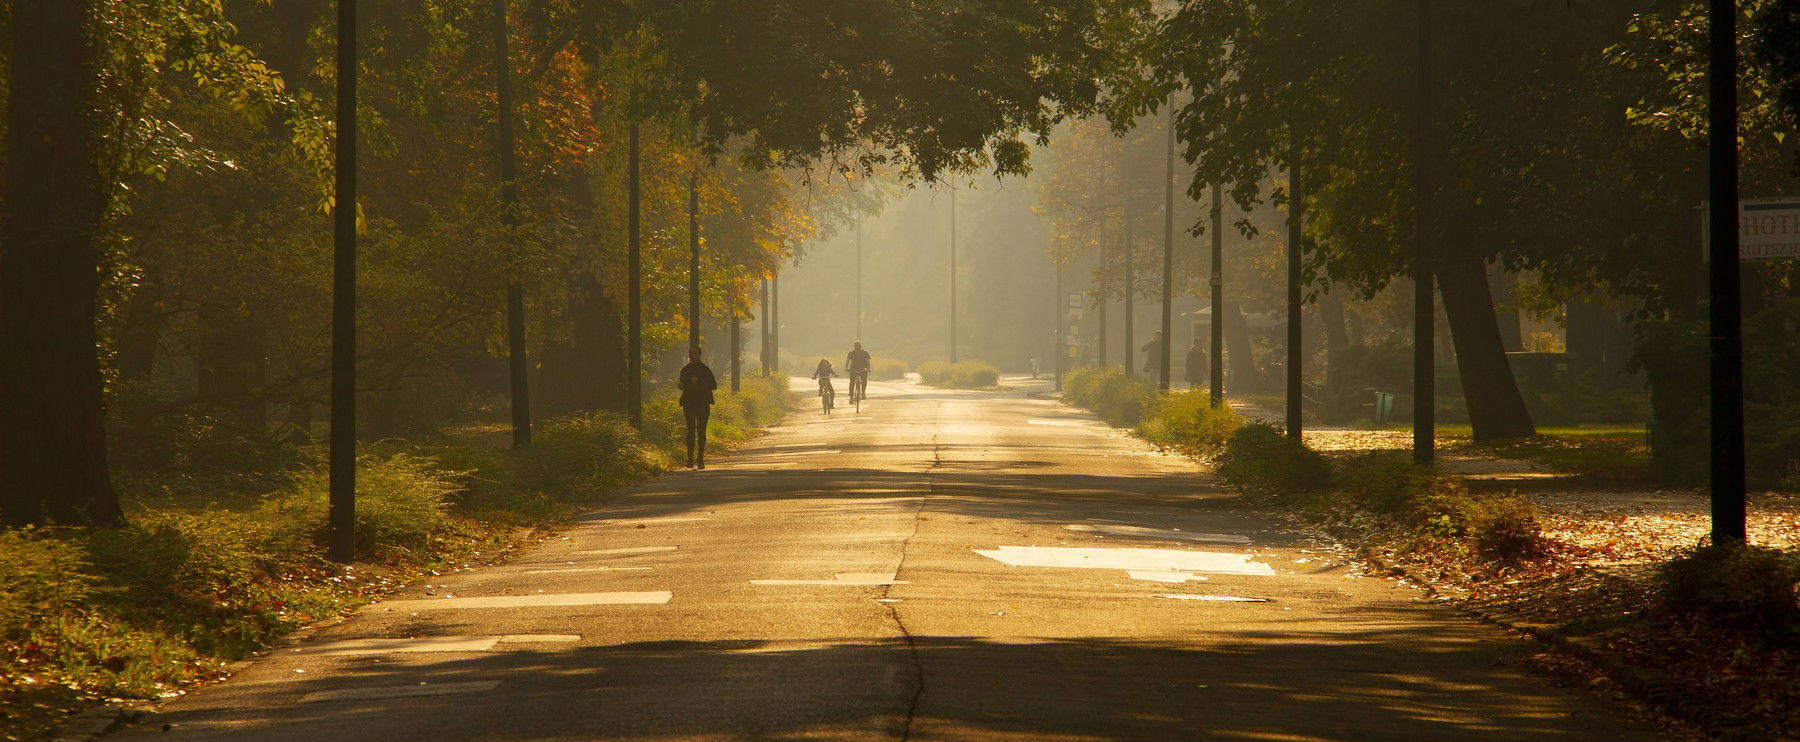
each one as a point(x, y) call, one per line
point(1769, 229)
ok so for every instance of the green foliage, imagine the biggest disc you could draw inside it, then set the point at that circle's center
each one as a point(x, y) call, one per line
point(1261, 460)
point(1752, 589)
point(582, 457)
point(1437, 509)
point(960, 375)
point(401, 502)
point(734, 419)
point(887, 369)
point(1117, 396)
point(1188, 422)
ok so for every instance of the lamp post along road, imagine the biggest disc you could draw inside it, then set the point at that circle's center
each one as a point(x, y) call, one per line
point(1218, 298)
point(519, 367)
point(1296, 224)
point(1424, 350)
point(634, 343)
point(1727, 335)
point(859, 291)
point(694, 257)
point(952, 275)
point(1168, 266)
point(342, 469)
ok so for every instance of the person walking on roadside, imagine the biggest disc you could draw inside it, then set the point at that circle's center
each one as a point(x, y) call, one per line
point(1196, 370)
point(1153, 353)
point(697, 385)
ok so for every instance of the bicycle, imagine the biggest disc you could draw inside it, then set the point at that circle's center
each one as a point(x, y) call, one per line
point(827, 394)
point(859, 387)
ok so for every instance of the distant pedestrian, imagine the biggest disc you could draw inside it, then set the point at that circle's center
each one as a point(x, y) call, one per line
point(697, 385)
point(1153, 351)
point(1196, 365)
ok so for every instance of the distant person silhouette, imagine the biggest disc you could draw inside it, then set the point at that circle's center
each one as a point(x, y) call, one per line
point(1196, 364)
point(857, 362)
point(697, 385)
point(1153, 353)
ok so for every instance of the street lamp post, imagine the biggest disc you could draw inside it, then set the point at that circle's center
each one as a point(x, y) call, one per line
point(1218, 298)
point(1168, 266)
point(342, 469)
point(1727, 343)
point(1295, 248)
point(1424, 350)
point(953, 275)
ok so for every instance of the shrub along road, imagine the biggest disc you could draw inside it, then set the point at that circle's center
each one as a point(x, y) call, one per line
point(944, 565)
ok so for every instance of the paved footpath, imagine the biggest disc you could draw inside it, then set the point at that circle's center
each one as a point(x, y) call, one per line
point(941, 565)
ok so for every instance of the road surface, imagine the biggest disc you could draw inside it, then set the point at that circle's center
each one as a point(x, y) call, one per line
point(943, 565)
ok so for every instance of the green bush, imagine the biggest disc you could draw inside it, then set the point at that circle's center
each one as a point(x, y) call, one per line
point(1188, 422)
point(887, 369)
point(401, 502)
point(1260, 459)
point(1440, 508)
point(1753, 589)
point(1116, 396)
point(960, 375)
point(585, 456)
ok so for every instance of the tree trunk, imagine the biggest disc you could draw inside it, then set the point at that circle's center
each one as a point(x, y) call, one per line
point(52, 435)
point(1496, 411)
point(1338, 407)
point(1242, 360)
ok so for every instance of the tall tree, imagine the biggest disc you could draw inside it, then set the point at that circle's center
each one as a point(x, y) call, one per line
point(53, 463)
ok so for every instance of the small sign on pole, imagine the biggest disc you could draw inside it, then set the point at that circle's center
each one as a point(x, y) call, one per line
point(1768, 229)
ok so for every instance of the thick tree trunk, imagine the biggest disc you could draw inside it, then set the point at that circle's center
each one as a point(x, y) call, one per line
point(1241, 360)
point(1496, 411)
point(52, 432)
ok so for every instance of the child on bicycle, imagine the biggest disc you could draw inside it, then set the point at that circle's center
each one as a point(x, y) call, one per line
point(824, 373)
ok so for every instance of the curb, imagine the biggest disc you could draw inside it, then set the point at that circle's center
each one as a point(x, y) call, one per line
point(1650, 687)
point(94, 722)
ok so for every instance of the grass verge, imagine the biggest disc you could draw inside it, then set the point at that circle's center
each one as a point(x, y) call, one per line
point(164, 604)
point(960, 375)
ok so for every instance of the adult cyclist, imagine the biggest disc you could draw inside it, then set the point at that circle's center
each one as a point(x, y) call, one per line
point(857, 364)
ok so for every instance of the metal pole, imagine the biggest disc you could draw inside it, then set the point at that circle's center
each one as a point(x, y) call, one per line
point(519, 366)
point(775, 319)
point(1218, 297)
point(342, 469)
point(1168, 266)
point(634, 344)
point(1424, 345)
point(1061, 349)
point(1296, 223)
point(763, 321)
point(1728, 508)
point(694, 257)
point(953, 275)
point(737, 347)
point(1104, 294)
point(1130, 257)
point(859, 293)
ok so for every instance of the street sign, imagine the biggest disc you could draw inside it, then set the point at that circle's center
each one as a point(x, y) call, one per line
point(1076, 301)
point(1769, 229)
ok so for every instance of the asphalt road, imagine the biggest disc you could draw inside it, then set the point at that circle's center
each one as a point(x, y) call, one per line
point(942, 565)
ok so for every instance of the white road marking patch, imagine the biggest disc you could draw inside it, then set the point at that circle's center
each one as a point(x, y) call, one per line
point(842, 578)
point(525, 601)
point(824, 452)
point(395, 646)
point(1174, 577)
point(1059, 423)
point(1216, 598)
point(1143, 560)
point(629, 551)
point(1172, 534)
point(400, 691)
point(569, 570)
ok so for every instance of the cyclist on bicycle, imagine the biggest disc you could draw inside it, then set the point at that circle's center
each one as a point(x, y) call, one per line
point(857, 363)
point(824, 373)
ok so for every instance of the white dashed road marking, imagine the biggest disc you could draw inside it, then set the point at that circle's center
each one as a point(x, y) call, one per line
point(1217, 598)
point(630, 551)
point(567, 570)
point(430, 644)
point(1140, 560)
point(1174, 577)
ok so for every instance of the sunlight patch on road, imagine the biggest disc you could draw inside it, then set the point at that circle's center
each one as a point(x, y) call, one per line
point(842, 578)
point(524, 601)
point(1162, 533)
point(1058, 423)
point(1142, 560)
point(578, 570)
point(400, 691)
point(1171, 577)
point(419, 644)
point(635, 522)
point(629, 551)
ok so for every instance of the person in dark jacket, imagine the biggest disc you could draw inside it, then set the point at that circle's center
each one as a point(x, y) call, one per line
point(1196, 365)
point(697, 385)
